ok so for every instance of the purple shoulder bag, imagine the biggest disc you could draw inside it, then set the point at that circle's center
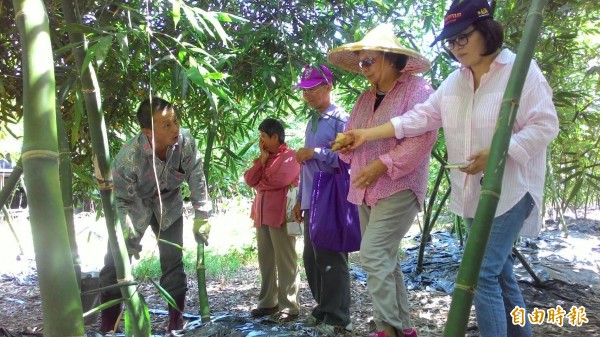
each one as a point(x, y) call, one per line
point(334, 222)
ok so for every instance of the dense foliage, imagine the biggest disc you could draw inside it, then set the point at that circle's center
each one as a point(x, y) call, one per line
point(229, 64)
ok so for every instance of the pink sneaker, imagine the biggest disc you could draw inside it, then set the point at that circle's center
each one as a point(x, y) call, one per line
point(410, 333)
point(377, 333)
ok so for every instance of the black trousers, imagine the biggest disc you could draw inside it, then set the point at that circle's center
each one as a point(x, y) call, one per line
point(173, 278)
point(329, 281)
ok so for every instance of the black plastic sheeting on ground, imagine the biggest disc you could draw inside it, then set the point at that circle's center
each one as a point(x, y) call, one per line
point(571, 259)
point(440, 263)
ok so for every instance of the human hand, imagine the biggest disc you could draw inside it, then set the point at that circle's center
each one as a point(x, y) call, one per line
point(478, 162)
point(201, 230)
point(341, 143)
point(297, 212)
point(304, 154)
point(369, 174)
point(132, 242)
point(264, 154)
point(358, 137)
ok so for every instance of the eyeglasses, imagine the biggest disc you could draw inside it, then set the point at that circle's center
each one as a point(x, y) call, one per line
point(366, 63)
point(460, 40)
point(313, 89)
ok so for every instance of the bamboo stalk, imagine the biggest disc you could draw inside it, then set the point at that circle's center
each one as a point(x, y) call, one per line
point(63, 315)
point(11, 182)
point(428, 223)
point(201, 276)
point(9, 222)
point(137, 318)
point(468, 273)
point(66, 187)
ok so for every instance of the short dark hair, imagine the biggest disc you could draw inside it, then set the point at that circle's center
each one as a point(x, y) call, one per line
point(271, 126)
point(493, 34)
point(148, 108)
point(397, 60)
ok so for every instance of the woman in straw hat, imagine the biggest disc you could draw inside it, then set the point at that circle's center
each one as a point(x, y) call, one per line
point(389, 177)
point(467, 104)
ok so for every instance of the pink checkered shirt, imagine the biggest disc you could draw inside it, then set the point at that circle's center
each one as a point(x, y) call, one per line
point(407, 160)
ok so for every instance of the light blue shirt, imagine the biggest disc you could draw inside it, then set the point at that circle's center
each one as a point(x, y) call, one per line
point(331, 122)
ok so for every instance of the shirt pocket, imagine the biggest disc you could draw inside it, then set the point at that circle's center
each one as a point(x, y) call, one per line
point(454, 112)
point(486, 110)
point(174, 178)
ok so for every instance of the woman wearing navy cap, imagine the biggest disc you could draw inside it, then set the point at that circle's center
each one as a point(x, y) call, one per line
point(466, 105)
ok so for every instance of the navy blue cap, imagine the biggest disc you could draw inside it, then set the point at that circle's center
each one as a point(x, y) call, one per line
point(461, 15)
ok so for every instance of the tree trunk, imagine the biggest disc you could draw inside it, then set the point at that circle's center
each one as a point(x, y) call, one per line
point(468, 273)
point(63, 315)
point(137, 316)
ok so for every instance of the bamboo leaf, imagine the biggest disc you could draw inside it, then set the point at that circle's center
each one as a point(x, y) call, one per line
point(77, 115)
point(171, 243)
point(164, 294)
point(246, 147)
point(176, 12)
point(123, 42)
point(99, 47)
point(574, 191)
point(210, 16)
point(80, 28)
point(67, 48)
point(192, 19)
point(103, 48)
point(103, 306)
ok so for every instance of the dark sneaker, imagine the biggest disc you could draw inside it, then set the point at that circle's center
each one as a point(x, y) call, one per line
point(332, 330)
point(312, 321)
point(259, 312)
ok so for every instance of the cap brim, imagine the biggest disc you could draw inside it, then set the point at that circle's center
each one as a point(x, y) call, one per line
point(450, 31)
point(308, 84)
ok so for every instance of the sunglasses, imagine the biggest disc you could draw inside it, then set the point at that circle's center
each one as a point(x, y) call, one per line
point(459, 40)
point(366, 63)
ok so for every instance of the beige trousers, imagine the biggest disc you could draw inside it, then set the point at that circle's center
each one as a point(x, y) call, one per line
point(383, 227)
point(278, 265)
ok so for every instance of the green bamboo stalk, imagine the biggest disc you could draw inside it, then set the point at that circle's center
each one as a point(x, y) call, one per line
point(466, 280)
point(137, 315)
point(554, 195)
point(427, 223)
point(11, 182)
point(61, 305)
point(9, 222)
point(66, 187)
point(201, 276)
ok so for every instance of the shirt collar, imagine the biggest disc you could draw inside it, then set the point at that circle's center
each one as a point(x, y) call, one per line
point(503, 58)
point(144, 143)
point(403, 78)
point(328, 112)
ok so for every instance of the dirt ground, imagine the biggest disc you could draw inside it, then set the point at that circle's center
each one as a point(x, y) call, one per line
point(235, 295)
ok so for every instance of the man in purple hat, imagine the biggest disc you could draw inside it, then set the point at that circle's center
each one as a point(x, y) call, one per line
point(326, 270)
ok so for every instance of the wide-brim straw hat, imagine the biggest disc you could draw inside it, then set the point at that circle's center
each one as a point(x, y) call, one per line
point(380, 38)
